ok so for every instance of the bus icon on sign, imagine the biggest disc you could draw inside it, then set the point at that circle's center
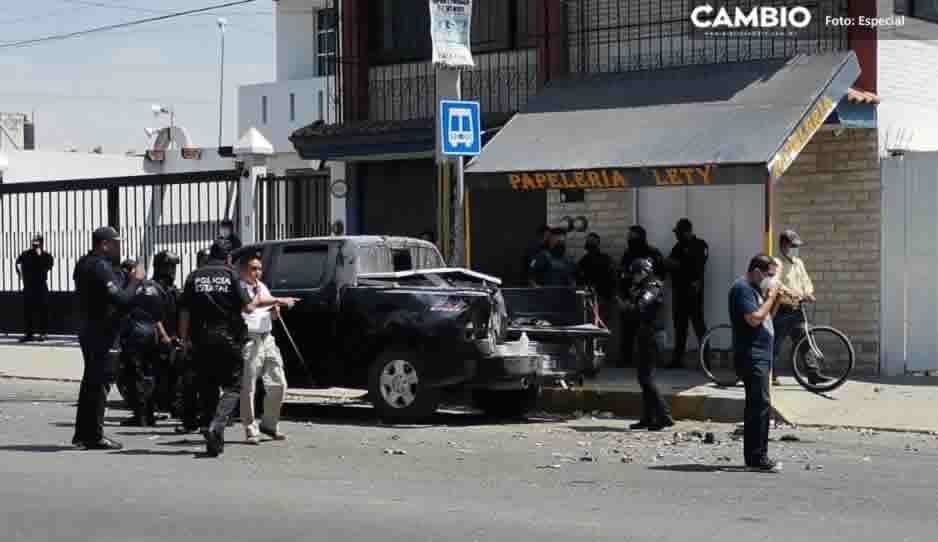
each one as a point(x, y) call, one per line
point(460, 130)
point(461, 127)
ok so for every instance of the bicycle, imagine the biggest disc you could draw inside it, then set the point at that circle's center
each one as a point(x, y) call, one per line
point(825, 347)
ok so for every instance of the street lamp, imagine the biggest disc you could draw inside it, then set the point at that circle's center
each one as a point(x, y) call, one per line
point(222, 22)
point(163, 110)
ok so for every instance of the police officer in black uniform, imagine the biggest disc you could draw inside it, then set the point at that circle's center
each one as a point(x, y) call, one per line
point(33, 268)
point(103, 293)
point(198, 395)
point(638, 249)
point(143, 336)
point(686, 263)
point(170, 368)
point(211, 306)
point(640, 308)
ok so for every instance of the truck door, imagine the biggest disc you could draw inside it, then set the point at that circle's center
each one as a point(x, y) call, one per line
point(304, 270)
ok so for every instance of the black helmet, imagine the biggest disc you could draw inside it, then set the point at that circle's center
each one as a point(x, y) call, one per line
point(165, 257)
point(641, 265)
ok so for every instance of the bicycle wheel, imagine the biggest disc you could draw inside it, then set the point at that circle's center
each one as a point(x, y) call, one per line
point(834, 364)
point(716, 356)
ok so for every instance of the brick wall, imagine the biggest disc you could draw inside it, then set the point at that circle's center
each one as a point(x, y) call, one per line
point(610, 213)
point(832, 197)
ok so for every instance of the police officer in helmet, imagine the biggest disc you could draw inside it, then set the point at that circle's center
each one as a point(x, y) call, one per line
point(143, 336)
point(103, 294)
point(640, 308)
point(165, 264)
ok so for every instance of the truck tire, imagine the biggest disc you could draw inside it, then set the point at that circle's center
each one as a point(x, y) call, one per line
point(399, 389)
point(511, 404)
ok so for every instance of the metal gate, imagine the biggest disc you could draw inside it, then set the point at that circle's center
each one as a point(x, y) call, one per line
point(909, 259)
point(178, 212)
point(293, 206)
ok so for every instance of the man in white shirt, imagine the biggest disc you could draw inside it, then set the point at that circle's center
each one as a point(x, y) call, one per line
point(261, 358)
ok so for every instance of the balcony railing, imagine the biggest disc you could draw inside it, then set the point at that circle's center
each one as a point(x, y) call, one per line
point(600, 36)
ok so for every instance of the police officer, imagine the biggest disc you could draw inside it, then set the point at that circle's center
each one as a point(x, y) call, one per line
point(169, 369)
point(198, 394)
point(227, 232)
point(552, 267)
point(142, 335)
point(686, 263)
point(102, 294)
point(212, 303)
point(637, 249)
point(640, 308)
point(540, 244)
point(33, 266)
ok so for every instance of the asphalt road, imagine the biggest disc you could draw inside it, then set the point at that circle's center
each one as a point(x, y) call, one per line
point(343, 476)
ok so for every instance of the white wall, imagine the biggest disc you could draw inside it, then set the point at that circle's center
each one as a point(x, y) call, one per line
point(908, 84)
point(33, 166)
point(312, 99)
point(296, 38)
point(37, 166)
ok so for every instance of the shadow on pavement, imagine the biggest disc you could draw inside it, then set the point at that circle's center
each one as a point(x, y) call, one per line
point(364, 415)
point(152, 452)
point(693, 467)
point(603, 428)
point(41, 448)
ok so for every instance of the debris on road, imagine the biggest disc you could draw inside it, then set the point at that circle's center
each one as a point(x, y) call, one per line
point(554, 466)
point(626, 459)
point(790, 438)
point(710, 438)
point(394, 451)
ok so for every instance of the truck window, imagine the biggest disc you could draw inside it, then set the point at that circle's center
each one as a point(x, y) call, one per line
point(428, 258)
point(300, 267)
point(403, 260)
point(375, 259)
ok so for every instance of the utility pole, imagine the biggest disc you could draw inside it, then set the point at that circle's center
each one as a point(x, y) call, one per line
point(222, 22)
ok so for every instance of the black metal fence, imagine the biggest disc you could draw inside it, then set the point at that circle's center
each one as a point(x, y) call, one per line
point(390, 40)
point(293, 206)
point(155, 212)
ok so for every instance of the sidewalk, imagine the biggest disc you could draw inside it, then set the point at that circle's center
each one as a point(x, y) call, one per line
point(900, 404)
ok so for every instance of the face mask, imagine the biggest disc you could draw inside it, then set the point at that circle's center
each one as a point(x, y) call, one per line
point(638, 278)
point(558, 250)
point(794, 252)
point(767, 283)
point(590, 247)
point(225, 232)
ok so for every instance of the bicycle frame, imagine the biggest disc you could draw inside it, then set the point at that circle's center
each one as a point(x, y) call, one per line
point(807, 331)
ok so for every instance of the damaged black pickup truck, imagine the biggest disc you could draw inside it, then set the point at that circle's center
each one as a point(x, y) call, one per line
point(384, 314)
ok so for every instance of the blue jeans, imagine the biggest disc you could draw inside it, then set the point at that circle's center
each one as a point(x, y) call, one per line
point(788, 324)
point(754, 374)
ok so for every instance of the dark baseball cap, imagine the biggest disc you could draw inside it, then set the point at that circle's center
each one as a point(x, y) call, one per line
point(37, 240)
point(683, 225)
point(220, 249)
point(105, 233)
point(792, 237)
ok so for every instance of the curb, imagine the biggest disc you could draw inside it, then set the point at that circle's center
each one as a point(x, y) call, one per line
point(40, 378)
point(628, 404)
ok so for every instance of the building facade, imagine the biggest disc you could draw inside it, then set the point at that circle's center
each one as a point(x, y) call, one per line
point(383, 132)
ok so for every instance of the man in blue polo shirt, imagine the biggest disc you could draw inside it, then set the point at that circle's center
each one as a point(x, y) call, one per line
point(751, 301)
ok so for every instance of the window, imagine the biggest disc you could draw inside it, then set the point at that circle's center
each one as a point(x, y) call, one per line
point(321, 104)
point(264, 109)
point(326, 41)
point(300, 267)
point(292, 107)
point(374, 259)
point(919, 9)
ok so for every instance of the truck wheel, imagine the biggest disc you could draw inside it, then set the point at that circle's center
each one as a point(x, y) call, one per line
point(510, 404)
point(398, 387)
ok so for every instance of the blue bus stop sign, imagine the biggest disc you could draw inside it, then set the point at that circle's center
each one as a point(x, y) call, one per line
point(460, 130)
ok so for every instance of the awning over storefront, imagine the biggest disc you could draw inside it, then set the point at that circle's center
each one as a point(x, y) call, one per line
point(698, 125)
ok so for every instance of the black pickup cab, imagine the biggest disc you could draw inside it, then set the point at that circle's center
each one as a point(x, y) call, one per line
point(385, 314)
